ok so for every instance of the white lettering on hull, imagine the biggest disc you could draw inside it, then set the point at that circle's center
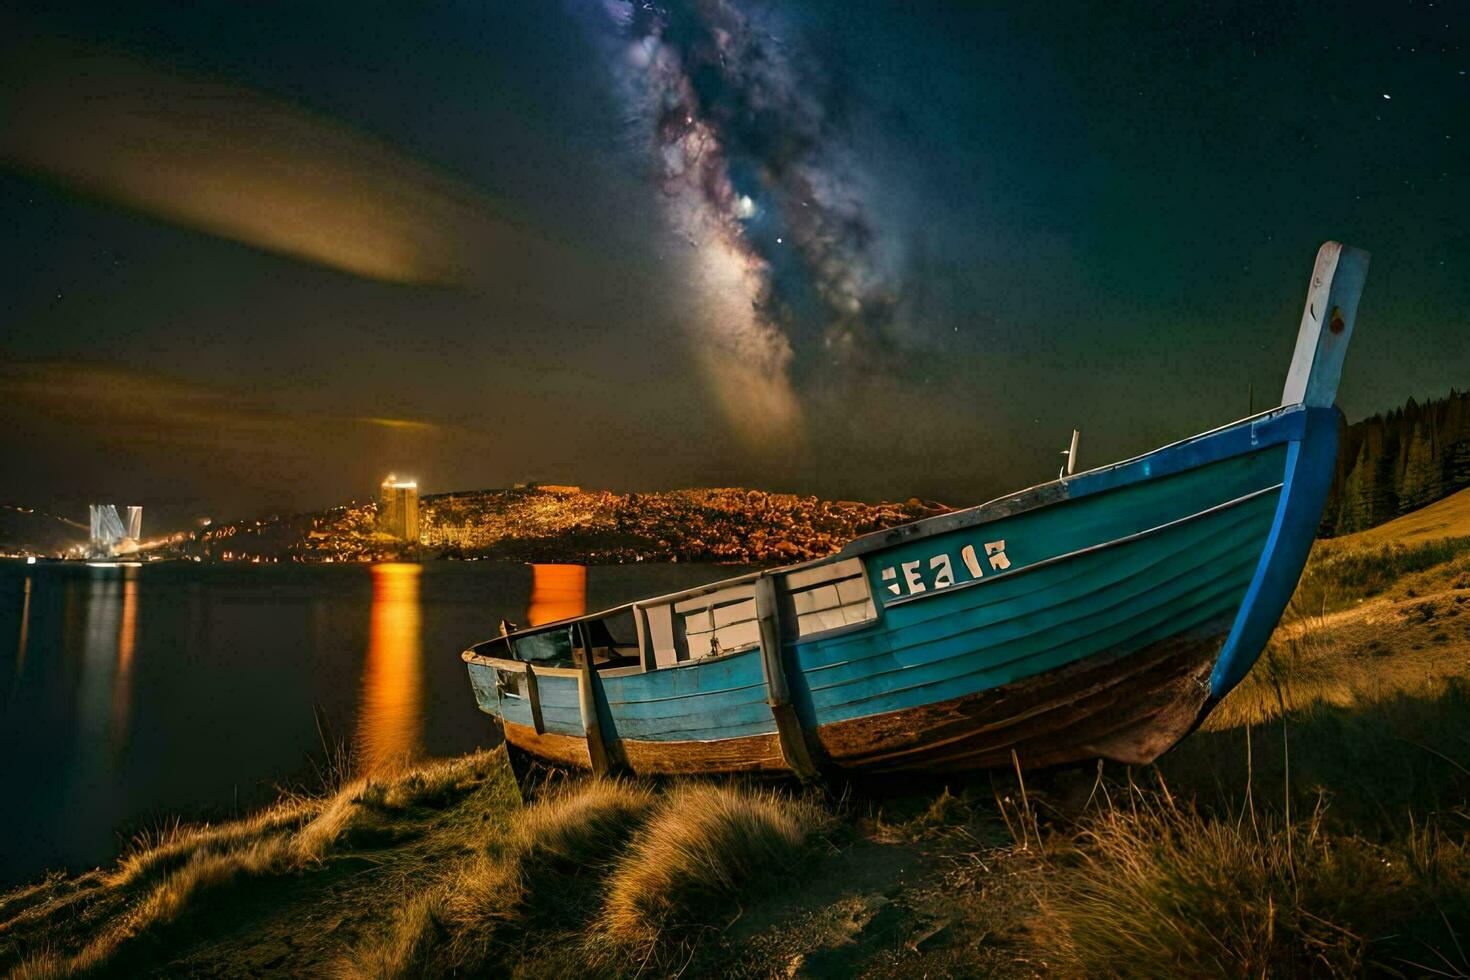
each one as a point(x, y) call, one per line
point(906, 579)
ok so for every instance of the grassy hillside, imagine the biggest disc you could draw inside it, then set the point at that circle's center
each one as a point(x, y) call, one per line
point(1318, 825)
point(1447, 518)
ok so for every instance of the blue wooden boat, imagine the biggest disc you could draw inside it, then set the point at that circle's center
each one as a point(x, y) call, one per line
point(1103, 614)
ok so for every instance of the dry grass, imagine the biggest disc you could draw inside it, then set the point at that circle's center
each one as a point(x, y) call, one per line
point(598, 875)
point(187, 888)
point(431, 785)
point(706, 848)
point(579, 825)
point(1343, 572)
point(183, 873)
point(545, 873)
point(1446, 518)
point(1368, 620)
point(409, 947)
point(153, 856)
point(1147, 887)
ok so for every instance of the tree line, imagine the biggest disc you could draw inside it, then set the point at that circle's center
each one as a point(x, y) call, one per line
point(1399, 461)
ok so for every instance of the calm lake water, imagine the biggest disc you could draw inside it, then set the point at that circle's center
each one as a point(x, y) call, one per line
point(132, 694)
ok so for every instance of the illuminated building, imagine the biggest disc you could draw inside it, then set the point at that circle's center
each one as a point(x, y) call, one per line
point(109, 535)
point(398, 508)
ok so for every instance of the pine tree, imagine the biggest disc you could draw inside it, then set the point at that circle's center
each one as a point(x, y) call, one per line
point(1355, 514)
point(1399, 460)
point(1421, 483)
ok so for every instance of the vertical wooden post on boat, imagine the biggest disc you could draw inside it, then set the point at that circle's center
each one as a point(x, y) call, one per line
point(645, 646)
point(587, 702)
point(794, 747)
point(1072, 454)
point(1326, 327)
point(533, 695)
point(533, 692)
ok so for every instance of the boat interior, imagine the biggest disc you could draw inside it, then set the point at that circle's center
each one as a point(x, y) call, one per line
point(696, 625)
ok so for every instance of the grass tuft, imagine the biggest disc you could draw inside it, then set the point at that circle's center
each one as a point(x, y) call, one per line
point(410, 948)
point(579, 825)
point(598, 874)
point(545, 874)
point(158, 854)
point(706, 848)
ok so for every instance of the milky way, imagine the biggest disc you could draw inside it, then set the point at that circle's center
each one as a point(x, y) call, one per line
point(746, 133)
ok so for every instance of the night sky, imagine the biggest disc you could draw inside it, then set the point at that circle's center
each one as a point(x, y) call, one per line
point(255, 257)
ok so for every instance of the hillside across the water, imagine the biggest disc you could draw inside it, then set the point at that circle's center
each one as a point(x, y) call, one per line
point(536, 523)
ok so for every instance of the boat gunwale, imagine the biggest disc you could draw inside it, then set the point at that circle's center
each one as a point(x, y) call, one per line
point(501, 663)
point(967, 517)
point(974, 516)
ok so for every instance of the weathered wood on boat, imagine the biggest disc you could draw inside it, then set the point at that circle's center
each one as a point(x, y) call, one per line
point(533, 695)
point(645, 648)
point(597, 752)
point(749, 754)
point(793, 737)
point(1128, 708)
point(564, 750)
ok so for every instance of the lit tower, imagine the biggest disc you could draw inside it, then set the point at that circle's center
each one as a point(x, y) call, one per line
point(110, 535)
point(398, 508)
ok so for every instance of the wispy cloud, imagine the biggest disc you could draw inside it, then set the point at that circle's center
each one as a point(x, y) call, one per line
point(235, 163)
point(408, 425)
point(138, 408)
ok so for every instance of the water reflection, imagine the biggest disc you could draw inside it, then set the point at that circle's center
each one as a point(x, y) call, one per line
point(108, 623)
point(25, 630)
point(390, 718)
point(127, 638)
point(105, 688)
point(557, 592)
point(188, 689)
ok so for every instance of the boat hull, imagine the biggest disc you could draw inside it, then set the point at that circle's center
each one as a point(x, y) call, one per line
point(1100, 638)
point(1127, 708)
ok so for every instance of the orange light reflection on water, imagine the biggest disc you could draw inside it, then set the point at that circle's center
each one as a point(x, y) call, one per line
point(127, 638)
point(25, 626)
point(390, 721)
point(557, 592)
